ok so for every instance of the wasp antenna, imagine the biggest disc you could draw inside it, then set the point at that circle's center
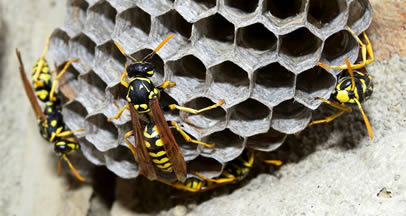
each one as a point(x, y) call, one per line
point(80, 178)
point(149, 56)
point(365, 119)
point(351, 73)
point(119, 47)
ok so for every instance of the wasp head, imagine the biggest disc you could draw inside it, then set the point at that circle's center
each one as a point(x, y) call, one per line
point(140, 69)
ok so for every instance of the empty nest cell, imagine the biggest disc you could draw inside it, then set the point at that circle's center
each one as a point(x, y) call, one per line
point(188, 72)
point(228, 145)
point(249, 117)
point(207, 166)
point(101, 133)
point(268, 141)
point(315, 82)
point(290, 117)
point(229, 82)
point(256, 36)
point(133, 25)
point(83, 48)
point(322, 12)
point(207, 119)
point(76, 113)
point(300, 42)
point(109, 62)
point(77, 13)
point(60, 40)
point(175, 23)
point(339, 46)
point(121, 161)
point(242, 6)
point(216, 28)
point(92, 90)
point(358, 9)
point(284, 9)
point(102, 18)
point(273, 84)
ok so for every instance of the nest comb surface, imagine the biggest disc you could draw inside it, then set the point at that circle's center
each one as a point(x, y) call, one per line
point(258, 55)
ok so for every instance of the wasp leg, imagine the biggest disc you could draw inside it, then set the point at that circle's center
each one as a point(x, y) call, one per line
point(335, 104)
point(180, 186)
point(217, 181)
point(274, 162)
point(41, 60)
point(327, 119)
point(166, 84)
point(367, 124)
point(55, 82)
point(119, 113)
point(194, 111)
point(187, 137)
point(123, 76)
point(68, 133)
point(80, 178)
point(364, 50)
point(132, 148)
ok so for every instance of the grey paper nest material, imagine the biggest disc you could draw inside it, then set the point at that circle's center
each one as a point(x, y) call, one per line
point(258, 55)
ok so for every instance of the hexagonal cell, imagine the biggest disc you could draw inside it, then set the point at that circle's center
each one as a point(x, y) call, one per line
point(267, 142)
point(175, 23)
point(101, 21)
point(70, 80)
point(207, 119)
point(74, 114)
point(102, 134)
point(242, 6)
point(284, 9)
point(60, 40)
point(249, 117)
point(92, 91)
point(91, 153)
point(83, 48)
point(121, 161)
point(214, 36)
point(257, 37)
point(290, 117)
point(230, 82)
point(133, 27)
point(300, 47)
point(116, 95)
point(339, 46)
point(273, 84)
point(359, 14)
point(323, 12)
point(315, 82)
point(76, 16)
point(155, 8)
point(189, 73)
point(193, 10)
point(109, 62)
point(228, 146)
point(206, 166)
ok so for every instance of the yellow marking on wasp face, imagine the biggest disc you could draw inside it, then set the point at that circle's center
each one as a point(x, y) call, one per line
point(53, 123)
point(342, 96)
point(150, 72)
point(136, 106)
point(164, 166)
point(42, 94)
point(159, 142)
point(163, 160)
point(147, 144)
point(144, 106)
point(159, 154)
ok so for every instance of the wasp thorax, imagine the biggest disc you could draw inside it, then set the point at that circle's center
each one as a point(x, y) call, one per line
point(140, 69)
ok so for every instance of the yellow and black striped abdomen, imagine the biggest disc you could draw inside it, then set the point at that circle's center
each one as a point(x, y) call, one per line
point(156, 150)
point(363, 89)
point(41, 80)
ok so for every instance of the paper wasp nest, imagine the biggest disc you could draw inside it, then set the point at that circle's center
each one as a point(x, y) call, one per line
point(258, 55)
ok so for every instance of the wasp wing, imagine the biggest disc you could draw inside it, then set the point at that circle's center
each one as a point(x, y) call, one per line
point(171, 147)
point(28, 90)
point(143, 159)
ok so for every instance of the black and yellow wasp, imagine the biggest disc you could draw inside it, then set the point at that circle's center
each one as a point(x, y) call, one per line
point(352, 89)
point(234, 172)
point(50, 120)
point(157, 149)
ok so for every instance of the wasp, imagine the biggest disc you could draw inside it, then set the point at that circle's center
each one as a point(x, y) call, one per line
point(50, 119)
point(156, 146)
point(234, 172)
